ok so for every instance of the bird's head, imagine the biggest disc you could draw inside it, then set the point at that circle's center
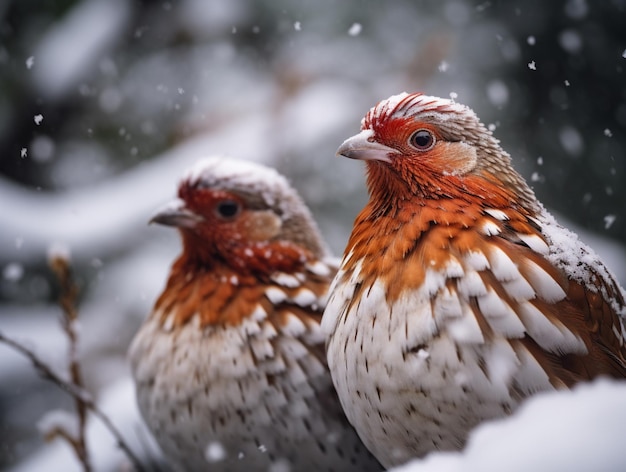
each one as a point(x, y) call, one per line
point(242, 215)
point(428, 147)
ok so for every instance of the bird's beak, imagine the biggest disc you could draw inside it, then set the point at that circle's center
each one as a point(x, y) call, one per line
point(176, 214)
point(360, 146)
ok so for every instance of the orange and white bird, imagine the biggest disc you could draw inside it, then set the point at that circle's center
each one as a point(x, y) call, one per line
point(458, 295)
point(230, 367)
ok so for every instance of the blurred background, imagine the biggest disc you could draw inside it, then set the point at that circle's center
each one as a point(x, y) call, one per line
point(104, 103)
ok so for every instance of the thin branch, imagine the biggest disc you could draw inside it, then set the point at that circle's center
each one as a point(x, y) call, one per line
point(59, 263)
point(78, 393)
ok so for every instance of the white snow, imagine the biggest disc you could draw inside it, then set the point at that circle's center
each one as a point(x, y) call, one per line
point(498, 93)
point(574, 257)
point(13, 271)
point(609, 220)
point(571, 41)
point(246, 176)
point(532, 65)
point(571, 140)
point(38, 119)
point(355, 29)
point(215, 452)
point(577, 431)
point(58, 421)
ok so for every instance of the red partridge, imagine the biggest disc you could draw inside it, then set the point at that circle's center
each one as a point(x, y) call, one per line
point(229, 368)
point(458, 295)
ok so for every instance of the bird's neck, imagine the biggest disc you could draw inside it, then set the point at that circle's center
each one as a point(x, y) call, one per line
point(402, 239)
point(246, 258)
point(391, 191)
point(223, 284)
point(191, 292)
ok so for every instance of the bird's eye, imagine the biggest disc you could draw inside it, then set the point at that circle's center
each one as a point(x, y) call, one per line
point(228, 209)
point(422, 140)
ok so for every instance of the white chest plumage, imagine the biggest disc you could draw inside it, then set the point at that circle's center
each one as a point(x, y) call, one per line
point(251, 396)
point(410, 382)
point(213, 396)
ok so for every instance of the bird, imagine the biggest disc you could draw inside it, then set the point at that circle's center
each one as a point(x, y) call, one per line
point(458, 295)
point(229, 367)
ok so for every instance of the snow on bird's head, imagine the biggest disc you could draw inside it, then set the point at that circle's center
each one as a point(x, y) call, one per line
point(419, 106)
point(246, 177)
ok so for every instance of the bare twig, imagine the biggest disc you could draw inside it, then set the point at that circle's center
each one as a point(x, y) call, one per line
point(78, 393)
point(59, 263)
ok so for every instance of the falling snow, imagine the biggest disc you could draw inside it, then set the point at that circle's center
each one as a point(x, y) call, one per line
point(297, 26)
point(609, 220)
point(214, 452)
point(570, 41)
point(38, 119)
point(608, 133)
point(532, 66)
point(443, 66)
point(30, 62)
point(498, 93)
point(355, 29)
point(531, 40)
point(571, 140)
point(13, 271)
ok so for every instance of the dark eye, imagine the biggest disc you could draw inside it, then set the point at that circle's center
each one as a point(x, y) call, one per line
point(422, 140)
point(228, 209)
